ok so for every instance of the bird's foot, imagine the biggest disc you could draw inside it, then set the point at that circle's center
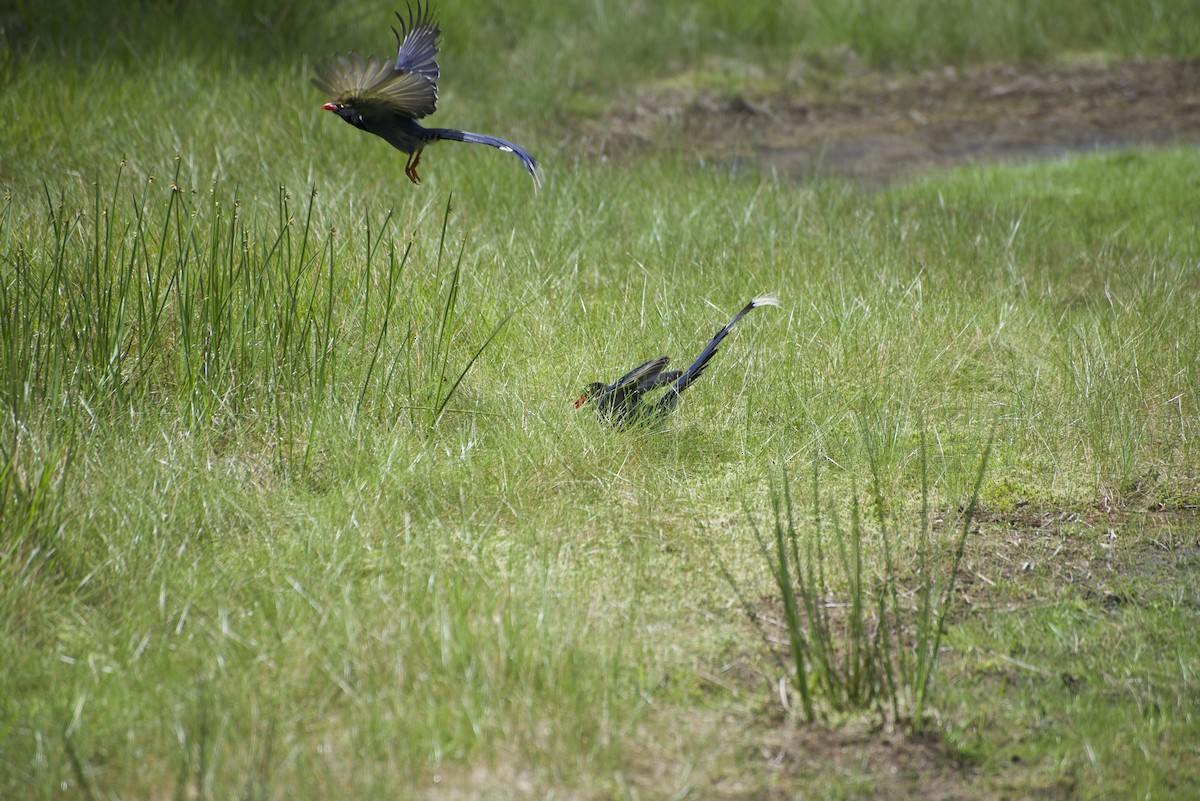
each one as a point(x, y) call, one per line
point(410, 169)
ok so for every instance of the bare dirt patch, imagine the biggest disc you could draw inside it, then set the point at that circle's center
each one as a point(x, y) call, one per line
point(1030, 555)
point(885, 765)
point(877, 128)
point(761, 755)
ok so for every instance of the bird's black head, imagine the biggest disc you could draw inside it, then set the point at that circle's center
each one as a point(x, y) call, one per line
point(347, 112)
point(590, 393)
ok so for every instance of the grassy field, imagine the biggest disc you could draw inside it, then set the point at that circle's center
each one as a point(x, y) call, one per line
point(294, 502)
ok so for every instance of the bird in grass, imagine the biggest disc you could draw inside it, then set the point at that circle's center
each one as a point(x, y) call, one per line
point(623, 401)
point(387, 99)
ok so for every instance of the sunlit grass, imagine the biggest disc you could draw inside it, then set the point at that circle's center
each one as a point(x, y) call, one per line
point(168, 462)
point(864, 622)
point(292, 497)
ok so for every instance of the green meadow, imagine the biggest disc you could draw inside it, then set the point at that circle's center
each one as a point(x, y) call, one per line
point(294, 501)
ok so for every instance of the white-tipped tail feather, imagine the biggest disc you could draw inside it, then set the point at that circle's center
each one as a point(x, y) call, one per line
point(668, 401)
point(764, 300)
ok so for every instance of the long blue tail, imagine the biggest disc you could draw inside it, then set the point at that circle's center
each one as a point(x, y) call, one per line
point(481, 139)
point(667, 402)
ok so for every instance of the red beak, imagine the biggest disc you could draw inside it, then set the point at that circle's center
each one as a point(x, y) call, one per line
point(329, 107)
point(582, 399)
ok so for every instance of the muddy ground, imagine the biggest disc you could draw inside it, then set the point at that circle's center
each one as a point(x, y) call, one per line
point(877, 128)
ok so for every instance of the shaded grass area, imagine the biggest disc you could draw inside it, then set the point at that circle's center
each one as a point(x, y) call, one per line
point(227, 83)
point(591, 43)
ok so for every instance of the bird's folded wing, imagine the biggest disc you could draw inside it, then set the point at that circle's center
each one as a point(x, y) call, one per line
point(644, 371)
point(373, 85)
point(659, 380)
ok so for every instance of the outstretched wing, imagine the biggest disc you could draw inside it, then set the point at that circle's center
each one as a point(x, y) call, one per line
point(417, 49)
point(373, 85)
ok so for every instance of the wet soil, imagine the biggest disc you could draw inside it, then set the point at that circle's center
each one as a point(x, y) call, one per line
point(878, 128)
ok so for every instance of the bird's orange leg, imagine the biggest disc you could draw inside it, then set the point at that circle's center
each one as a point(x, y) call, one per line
point(410, 169)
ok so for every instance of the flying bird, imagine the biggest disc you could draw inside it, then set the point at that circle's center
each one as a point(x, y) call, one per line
point(387, 99)
point(623, 401)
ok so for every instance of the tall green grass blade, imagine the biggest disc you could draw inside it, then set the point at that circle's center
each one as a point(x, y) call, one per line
point(938, 625)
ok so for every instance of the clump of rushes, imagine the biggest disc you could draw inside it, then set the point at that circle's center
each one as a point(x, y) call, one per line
point(855, 640)
point(185, 301)
point(431, 381)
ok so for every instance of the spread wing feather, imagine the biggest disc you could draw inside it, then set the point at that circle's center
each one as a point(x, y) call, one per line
point(418, 50)
point(374, 85)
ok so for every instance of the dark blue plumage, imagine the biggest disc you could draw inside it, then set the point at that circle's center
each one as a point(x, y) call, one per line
point(387, 99)
point(621, 402)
